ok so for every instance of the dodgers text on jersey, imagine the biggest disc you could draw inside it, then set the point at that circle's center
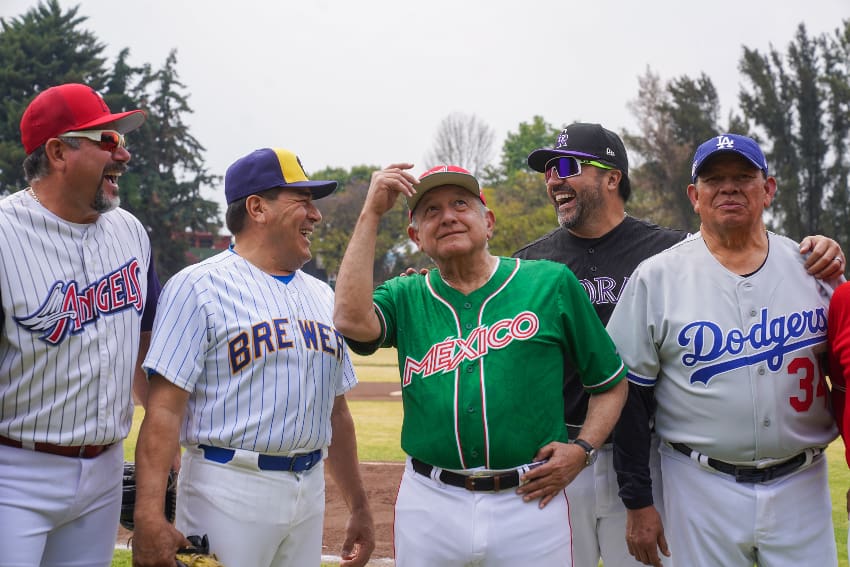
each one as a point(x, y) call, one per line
point(767, 340)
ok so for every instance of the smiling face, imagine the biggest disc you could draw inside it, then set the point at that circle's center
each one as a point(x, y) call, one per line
point(731, 193)
point(578, 199)
point(449, 222)
point(96, 171)
point(290, 217)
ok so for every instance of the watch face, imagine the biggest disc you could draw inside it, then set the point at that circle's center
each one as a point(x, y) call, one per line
point(591, 457)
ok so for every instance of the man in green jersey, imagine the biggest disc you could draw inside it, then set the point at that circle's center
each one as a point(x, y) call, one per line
point(481, 343)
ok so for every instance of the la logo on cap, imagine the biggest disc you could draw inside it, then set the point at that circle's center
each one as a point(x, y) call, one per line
point(725, 143)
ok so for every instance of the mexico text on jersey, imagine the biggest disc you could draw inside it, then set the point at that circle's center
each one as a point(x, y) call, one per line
point(482, 372)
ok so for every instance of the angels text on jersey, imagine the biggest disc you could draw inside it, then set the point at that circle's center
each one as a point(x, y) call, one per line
point(65, 309)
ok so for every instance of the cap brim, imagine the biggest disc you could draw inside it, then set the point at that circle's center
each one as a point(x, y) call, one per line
point(538, 159)
point(319, 189)
point(462, 180)
point(736, 151)
point(121, 122)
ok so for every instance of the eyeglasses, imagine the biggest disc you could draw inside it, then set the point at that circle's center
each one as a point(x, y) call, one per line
point(109, 140)
point(569, 166)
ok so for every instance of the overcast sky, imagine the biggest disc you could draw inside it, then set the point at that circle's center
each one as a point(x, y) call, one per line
point(344, 82)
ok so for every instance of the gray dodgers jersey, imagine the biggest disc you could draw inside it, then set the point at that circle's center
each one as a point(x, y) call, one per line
point(736, 362)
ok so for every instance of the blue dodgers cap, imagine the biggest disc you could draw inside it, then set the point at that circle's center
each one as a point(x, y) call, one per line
point(269, 168)
point(735, 143)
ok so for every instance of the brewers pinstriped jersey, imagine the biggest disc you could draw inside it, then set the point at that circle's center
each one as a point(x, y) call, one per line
point(735, 362)
point(481, 373)
point(73, 299)
point(260, 357)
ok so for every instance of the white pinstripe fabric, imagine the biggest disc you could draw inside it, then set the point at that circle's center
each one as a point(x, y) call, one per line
point(278, 399)
point(73, 388)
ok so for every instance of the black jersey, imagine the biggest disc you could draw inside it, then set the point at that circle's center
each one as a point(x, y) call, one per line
point(603, 266)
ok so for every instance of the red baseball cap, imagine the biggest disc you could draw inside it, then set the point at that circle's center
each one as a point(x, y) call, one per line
point(69, 107)
point(444, 175)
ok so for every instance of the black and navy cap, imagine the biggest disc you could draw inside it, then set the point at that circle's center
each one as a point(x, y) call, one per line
point(586, 141)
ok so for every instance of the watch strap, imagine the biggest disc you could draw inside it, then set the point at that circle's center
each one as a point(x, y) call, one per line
point(588, 448)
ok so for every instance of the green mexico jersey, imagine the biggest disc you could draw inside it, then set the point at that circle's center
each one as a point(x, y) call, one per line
point(482, 373)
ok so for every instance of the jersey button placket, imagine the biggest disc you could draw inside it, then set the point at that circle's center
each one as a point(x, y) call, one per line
point(103, 328)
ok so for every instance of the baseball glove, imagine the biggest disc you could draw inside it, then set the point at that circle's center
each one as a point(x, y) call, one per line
point(128, 496)
point(198, 555)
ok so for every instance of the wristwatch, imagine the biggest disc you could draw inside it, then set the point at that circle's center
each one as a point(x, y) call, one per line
point(589, 451)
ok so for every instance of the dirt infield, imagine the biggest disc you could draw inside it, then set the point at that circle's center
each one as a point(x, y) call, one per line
point(381, 481)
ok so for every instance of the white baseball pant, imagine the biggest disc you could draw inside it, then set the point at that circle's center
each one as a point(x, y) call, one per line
point(252, 516)
point(59, 511)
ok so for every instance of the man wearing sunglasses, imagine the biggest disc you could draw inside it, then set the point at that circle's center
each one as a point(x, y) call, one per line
point(587, 179)
point(78, 292)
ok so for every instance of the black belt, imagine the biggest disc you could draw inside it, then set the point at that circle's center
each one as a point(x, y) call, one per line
point(476, 482)
point(298, 463)
point(748, 474)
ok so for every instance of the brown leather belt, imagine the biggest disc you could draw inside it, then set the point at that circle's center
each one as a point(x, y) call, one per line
point(78, 451)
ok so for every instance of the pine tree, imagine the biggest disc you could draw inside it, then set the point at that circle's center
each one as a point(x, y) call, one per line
point(42, 48)
point(167, 172)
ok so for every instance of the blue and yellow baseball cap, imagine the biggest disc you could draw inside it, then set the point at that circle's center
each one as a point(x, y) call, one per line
point(269, 168)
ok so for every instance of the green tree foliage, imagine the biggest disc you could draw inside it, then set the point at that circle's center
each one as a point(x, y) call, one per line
point(42, 48)
point(674, 117)
point(836, 84)
point(47, 47)
point(517, 195)
point(798, 101)
point(529, 136)
point(393, 251)
point(522, 209)
point(163, 188)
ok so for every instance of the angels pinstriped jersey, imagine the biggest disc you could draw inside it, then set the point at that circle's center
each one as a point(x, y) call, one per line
point(735, 362)
point(481, 373)
point(260, 357)
point(73, 299)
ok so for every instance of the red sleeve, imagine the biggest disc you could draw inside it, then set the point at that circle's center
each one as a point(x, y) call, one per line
point(839, 359)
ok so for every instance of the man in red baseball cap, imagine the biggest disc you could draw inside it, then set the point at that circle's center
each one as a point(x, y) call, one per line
point(77, 296)
point(68, 117)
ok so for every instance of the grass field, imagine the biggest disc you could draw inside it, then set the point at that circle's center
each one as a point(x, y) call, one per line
point(379, 367)
point(378, 426)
